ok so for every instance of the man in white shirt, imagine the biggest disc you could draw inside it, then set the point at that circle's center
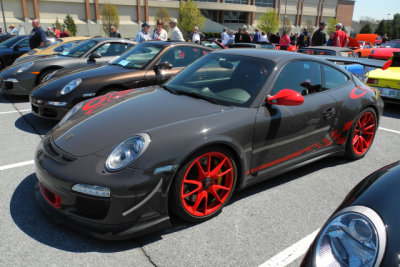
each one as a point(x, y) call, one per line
point(176, 34)
point(196, 36)
point(224, 37)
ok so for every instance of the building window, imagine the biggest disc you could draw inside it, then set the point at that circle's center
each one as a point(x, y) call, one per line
point(265, 3)
point(205, 0)
point(242, 2)
point(210, 14)
point(234, 17)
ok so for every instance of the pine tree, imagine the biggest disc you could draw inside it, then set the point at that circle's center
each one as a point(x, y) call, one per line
point(70, 25)
point(381, 29)
point(367, 28)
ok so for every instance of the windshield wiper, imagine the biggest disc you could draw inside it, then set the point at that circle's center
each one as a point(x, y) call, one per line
point(172, 91)
point(198, 96)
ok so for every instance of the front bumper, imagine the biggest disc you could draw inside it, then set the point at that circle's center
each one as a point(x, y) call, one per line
point(138, 202)
point(17, 85)
point(44, 109)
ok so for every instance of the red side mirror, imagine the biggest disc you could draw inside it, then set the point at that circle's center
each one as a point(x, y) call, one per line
point(286, 97)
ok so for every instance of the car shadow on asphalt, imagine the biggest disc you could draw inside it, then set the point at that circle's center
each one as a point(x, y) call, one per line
point(33, 124)
point(392, 110)
point(13, 98)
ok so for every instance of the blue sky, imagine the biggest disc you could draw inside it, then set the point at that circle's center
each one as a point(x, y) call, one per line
point(377, 9)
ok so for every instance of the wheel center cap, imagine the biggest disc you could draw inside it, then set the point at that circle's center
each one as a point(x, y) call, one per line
point(207, 183)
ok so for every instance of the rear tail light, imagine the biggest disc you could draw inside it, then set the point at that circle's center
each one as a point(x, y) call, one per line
point(372, 81)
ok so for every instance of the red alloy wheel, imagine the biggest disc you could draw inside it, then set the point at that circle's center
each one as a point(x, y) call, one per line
point(207, 184)
point(364, 132)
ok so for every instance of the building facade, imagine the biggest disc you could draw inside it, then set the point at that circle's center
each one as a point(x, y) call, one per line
point(219, 13)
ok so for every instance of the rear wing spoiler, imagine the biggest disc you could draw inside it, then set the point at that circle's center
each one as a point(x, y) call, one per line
point(366, 62)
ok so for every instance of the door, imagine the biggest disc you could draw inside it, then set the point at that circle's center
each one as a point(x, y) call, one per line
point(20, 48)
point(283, 133)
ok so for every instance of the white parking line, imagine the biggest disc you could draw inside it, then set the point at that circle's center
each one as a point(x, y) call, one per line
point(389, 130)
point(292, 253)
point(14, 111)
point(16, 165)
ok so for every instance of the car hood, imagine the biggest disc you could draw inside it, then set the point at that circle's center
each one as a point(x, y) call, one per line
point(392, 73)
point(32, 57)
point(105, 121)
point(385, 51)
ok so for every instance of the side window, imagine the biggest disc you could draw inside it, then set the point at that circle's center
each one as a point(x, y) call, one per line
point(301, 76)
point(182, 56)
point(333, 77)
point(112, 49)
point(24, 43)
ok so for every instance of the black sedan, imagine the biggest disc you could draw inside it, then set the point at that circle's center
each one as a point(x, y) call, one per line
point(22, 77)
point(364, 230)
point(149, 63)
point(13, 48)
point(118, 164)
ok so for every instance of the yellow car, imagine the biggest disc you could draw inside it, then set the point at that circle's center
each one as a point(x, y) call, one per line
point(58, 46)
point(387, 81)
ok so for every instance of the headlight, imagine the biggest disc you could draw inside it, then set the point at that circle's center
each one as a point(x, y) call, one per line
point(356, 236)
point(71, 112)
point(25, 67)
point(70, 86)
point(127, 151)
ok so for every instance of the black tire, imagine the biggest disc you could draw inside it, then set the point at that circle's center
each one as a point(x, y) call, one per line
point(361, 134)
point(43, 74)
point(212, 191)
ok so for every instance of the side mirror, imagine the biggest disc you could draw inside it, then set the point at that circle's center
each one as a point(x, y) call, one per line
point(16, 48)
point(162, 66)
point(286, 97)
point(94, 55)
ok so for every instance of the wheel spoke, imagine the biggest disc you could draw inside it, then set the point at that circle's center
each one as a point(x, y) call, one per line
point(209, 163)
point(355, 140)
point(192, 192)
point(225, 172)
point(218, 168)
point(362, 144)
point(199, 184)
point(215, 194)
point(217, 186)
point(201, 172)
point(198, 200)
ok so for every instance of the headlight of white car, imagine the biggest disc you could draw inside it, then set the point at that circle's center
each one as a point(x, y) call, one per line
point(70, 86)
point(127, 151)
point(356, 236)
point(25, 67)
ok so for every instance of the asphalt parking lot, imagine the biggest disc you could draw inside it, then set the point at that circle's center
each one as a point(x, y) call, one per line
point(257, 227)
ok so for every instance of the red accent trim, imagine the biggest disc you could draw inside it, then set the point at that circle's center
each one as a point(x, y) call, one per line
point(354, 95)
point(347, 126)
point(52, 198)
point(103, 100)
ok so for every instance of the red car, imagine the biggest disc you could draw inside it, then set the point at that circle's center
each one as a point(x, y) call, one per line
point(386, 52)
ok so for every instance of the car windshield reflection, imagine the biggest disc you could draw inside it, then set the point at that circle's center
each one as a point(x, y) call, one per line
point(230, 80)
point(139, 56)
point(79, 49)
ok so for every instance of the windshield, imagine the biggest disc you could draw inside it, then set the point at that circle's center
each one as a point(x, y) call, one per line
point(47, 45)
point(80, 49)
point(139, 56)
point(10, 42)
point(231, 80)
point(393, 44)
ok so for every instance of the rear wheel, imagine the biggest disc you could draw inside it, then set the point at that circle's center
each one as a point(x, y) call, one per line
point(362, 134)
point(204, 185)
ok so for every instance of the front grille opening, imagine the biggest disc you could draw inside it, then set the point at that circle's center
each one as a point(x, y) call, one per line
point(52, 198)
point(92, 208)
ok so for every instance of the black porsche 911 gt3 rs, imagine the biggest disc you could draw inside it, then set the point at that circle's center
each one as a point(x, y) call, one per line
point(118, 164)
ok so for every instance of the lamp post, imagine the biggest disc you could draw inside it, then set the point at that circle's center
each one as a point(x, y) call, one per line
point(4, 17)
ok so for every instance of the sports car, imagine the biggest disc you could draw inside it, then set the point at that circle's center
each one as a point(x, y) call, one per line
point(328, 51)
point(21, 78)
point(117, 165)
point(263, 45)
point(361, 48)
point(387, 81)
point(13, 48)
point(387, 51)
point(364, 230)
point(148, 63)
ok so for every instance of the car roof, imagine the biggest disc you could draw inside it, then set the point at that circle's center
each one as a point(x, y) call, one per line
point(103, 39)
point(332, 48)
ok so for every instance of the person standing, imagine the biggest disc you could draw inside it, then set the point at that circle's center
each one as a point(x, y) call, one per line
point(65, 33)
point(56, 32)
point(224, 37)
point(176, 34)
point(341, 38)
point(114, 33)
point(385, 39)
point(238, 36)
point(231, 37)
point(13, 31)
point(143, 35)
point(284, 41)
point(319, 36)
point(196, 36)
point(257, 36)
point(159, 34)
point(304, 39)
point(264, 38)
point(331, 40)
point(245, 36)
point(37, 37)
point(50, 33)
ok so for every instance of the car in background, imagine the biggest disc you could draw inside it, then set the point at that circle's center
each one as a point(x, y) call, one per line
point(327, 51)
point(363, 231)
point(386, 52)
point(361, 48)
point(378, 41)
point(213, 43)
point(22, 77)
point(58, 46)
point(5, 37)
point(118, 165)
point(147, 64)
point(13, 48)
point(387, 81)
point(263, 45)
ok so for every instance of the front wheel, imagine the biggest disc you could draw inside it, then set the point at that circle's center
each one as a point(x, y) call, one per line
point(204, 185)
point(361, 135)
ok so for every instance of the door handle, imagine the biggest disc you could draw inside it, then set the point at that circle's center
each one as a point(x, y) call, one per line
point(329, 112)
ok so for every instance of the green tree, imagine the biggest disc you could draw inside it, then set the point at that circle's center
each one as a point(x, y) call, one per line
point(381, 29)
point(330, 25)
point(190, 16)
point(367, 28)
point(269, 21)
point(70, 25)
point(388, 25)
point(58, 24)
point(396, 26)
point(286, 25)
point(109, 17)
point(163, 14)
